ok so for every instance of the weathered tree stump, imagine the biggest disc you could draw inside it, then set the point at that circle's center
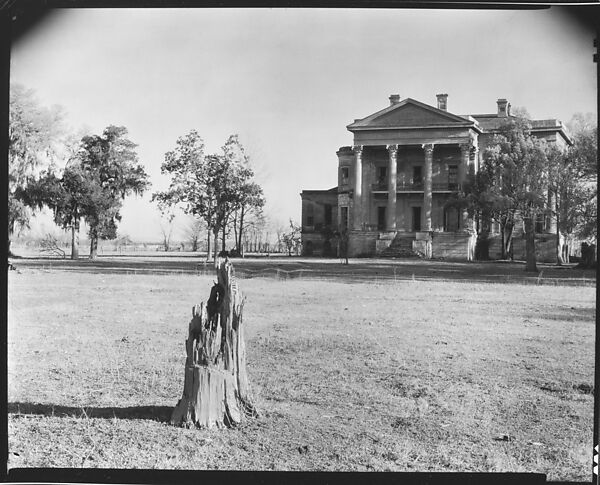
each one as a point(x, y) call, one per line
point(216, 391)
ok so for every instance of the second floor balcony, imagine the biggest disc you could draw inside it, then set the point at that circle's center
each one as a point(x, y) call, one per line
point(416, 187)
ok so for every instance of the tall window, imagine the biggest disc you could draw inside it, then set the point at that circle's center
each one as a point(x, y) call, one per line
point(417, 178)
point(328, 214)
point(381, 175)
point(310, 215)
point(344, 218)
point(452, 177)
point(381, 218)
point(345, 174)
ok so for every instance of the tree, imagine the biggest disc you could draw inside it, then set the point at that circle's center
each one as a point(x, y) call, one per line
point(68, 197)
point(111, 163)
point(193, 232)
point(516, 168)
point(254, 228)
point(291, 239)
point(167, 225)
point(33, 135)
point(583, 157)
point(574, 187)
point(211, 186)
point(249, 199)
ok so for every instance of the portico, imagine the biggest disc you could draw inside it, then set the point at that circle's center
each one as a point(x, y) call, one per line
point(422, 173)
point(405, 162)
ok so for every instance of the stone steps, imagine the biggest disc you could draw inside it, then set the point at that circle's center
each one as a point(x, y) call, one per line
point(401, 247)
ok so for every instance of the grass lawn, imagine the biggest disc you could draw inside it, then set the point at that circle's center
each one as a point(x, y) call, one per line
point(400, 375)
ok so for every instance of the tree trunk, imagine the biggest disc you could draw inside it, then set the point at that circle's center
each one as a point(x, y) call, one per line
point(75, 240)
point(216, 390)
point(559, 243)
point(208, 244)
point(504, 254)
point(93, 247)
point(239, 242)
point(235, 231)
point(530, 264)
point(509, 240)
point(223, 248)
point(216, 245)
point(11, 230)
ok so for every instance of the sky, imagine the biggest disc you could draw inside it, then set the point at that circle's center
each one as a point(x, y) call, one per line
point(289, 81)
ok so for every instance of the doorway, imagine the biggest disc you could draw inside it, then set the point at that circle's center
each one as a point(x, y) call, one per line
point(416, 219)
point(451, 219)
point(381, 218)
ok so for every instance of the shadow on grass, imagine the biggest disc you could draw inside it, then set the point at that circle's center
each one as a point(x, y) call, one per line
point(154, 413)
point(587, 315)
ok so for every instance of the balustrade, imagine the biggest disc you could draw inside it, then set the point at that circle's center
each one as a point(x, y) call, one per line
point(416, 187)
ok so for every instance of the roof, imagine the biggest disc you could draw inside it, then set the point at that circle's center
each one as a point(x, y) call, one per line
point(410, 113)
point(327, 191)
point(492, 123)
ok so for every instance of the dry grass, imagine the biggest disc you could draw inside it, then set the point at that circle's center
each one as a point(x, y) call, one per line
point(401, 375)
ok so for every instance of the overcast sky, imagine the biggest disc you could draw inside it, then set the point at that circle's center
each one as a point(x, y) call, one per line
point(288, 81)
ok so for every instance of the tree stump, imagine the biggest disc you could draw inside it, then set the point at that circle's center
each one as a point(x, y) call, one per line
point(216, 391)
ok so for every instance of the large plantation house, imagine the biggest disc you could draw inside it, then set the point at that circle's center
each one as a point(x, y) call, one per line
point(405, 162)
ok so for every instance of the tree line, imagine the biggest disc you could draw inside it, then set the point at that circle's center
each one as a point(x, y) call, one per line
point(217, 188)
point(99, 171)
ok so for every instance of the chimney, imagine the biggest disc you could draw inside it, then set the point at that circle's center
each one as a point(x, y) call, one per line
point(503, 108)
point(394, 99)
point(442, 101)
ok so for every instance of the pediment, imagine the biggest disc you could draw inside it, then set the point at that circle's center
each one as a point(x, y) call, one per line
point(409, 113)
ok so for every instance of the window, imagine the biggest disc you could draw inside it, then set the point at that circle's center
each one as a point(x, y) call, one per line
point(452, 177)
point(381, 175)
point(417, 178)
point(344, 218)
point(310, 215)
point(345, 174)
point(328, 214)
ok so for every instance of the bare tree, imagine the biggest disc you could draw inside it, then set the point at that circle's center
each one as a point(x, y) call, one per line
point(194, 232)
point(51, 245)
point(166, 228)
point(291, 238)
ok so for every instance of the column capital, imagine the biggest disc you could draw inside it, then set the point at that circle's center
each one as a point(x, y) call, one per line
point(428, 147)
point(466, 146)
point(393, 149)
point(357, 149)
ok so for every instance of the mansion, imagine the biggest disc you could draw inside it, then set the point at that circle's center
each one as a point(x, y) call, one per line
point(395, 180)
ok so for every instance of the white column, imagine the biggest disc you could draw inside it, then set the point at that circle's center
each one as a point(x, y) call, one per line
point(463, 171)
point(427, 196)
point(357, 217)
point(392, 171)
point(552, 226)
